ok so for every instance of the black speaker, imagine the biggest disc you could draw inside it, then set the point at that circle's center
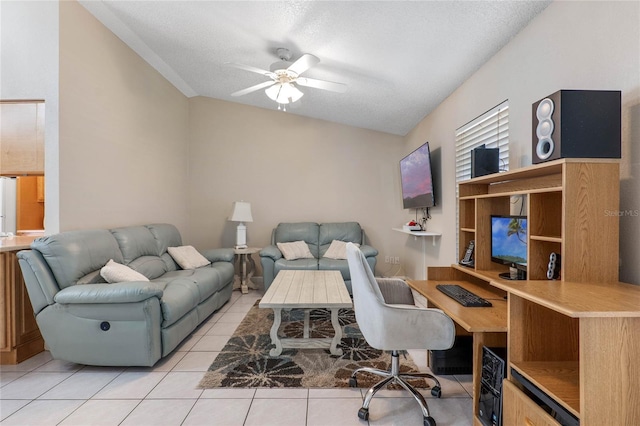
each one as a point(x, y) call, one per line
point(484, 161)
point(577, 124)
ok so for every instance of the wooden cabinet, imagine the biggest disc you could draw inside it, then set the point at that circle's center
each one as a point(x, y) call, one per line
point(520, 410)
point(577, 338)
point(21, 138)
point(40, 189)
point(19, 334)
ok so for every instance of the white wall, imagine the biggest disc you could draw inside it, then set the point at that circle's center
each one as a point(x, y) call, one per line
point(29, 44)
point(570, 45)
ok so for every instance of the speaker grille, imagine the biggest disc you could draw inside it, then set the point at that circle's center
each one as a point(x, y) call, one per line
point(544, 112)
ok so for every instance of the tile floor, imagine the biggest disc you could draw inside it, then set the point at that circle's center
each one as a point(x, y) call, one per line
point(42, 391)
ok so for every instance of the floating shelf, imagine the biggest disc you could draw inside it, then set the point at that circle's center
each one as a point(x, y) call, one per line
point(417, 234)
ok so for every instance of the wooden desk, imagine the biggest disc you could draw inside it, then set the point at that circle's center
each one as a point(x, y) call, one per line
point(488, 326)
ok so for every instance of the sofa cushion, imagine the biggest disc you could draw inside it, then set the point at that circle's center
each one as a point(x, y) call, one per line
point(206, 280)
point(343, 231)
point(72, 255)
point(301, 231)
point(300, 264)
point(326, 264)
point(178, 298)
point(92, 278)
point(115, 272)
point(337, 250)
point(135, 241)
point(295, 250)
point(187, 257)
point(150, 266)
point(166, 235)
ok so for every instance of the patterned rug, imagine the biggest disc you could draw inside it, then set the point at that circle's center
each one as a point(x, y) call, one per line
point(245, 360)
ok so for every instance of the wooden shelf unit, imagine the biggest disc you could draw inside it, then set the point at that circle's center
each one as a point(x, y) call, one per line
point(569, 336)
point(567, 203)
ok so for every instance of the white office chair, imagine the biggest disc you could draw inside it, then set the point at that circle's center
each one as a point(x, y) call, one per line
point(390, 321)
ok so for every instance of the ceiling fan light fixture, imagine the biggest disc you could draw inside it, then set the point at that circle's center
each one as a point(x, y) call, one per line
point(284, 93)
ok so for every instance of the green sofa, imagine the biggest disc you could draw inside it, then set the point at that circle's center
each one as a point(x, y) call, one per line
point(318, 237)
point(85, 320)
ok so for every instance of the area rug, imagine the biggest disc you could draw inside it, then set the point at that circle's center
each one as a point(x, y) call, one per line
point(245, 360)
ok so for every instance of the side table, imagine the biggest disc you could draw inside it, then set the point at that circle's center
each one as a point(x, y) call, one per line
point(243, 256)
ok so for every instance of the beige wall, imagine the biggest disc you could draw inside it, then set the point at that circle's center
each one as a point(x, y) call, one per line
point(291, 169)
point(134, 150)
point(570, 45)
point(123, 132)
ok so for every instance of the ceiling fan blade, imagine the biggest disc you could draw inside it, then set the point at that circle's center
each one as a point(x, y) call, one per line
point(305, 62)
point(253, 88)
point(322, 84)
point(252, 69)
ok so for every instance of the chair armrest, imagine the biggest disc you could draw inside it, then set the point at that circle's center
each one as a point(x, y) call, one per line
point(395, 291)
point(271, 251)
point(128, 292)
point(368, 251)
point(219, 255)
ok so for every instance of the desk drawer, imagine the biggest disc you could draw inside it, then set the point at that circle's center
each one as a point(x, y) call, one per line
point(519, 409)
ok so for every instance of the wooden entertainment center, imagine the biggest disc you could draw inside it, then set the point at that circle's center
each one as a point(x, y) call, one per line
point(577, 339)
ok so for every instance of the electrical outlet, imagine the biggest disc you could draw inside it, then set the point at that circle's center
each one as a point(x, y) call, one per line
point(397, 261)
point(386, 259)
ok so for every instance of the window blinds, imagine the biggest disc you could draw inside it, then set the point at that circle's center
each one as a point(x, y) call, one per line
point(490, 129)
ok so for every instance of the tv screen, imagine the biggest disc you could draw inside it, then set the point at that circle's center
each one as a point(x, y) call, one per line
point(416, 179)
point(509, 240)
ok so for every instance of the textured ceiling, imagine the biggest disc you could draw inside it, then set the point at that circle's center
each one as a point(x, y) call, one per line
point(399, 59)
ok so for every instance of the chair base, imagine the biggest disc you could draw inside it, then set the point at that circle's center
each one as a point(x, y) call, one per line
point(394, 376)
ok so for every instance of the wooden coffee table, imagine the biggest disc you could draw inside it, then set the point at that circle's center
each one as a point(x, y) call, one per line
point(306, 290)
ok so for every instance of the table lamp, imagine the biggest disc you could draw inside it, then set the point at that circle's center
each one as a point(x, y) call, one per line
point(241, 213)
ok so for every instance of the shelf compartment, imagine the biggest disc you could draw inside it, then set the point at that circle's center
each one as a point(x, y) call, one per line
point(539, 252)
point(545, 214)
point(467, 213)
point(531, 323)
point(558, 379)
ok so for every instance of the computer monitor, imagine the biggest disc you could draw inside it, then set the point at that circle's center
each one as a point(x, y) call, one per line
point(509, 242)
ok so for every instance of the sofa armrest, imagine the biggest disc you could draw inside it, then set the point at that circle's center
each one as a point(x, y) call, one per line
point(219, 255)
point(127, 292)
point(368, 251)
point(271, 251)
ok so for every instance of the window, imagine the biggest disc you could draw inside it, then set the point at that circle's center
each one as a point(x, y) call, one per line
point(490, 129)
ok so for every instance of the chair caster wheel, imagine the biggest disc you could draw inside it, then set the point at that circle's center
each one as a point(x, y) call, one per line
point(429, 421)
point(437, 392)
point(353, 383)
point(363, 413)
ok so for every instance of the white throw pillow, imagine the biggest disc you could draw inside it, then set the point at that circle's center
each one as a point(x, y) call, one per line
point(338, 250)
point(114, 272)
point(188, 257)
point(295, 250)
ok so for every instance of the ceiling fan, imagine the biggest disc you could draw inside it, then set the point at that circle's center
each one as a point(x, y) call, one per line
point(285, 77)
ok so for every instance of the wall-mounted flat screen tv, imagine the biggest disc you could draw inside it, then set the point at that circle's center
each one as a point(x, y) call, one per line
point(509, 241)
point(417, 179)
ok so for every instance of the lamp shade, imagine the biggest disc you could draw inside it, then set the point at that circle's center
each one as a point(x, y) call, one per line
point(284, 93)
point(241, 212)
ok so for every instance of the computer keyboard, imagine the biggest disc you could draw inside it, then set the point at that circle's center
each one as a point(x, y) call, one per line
point(463, 296)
